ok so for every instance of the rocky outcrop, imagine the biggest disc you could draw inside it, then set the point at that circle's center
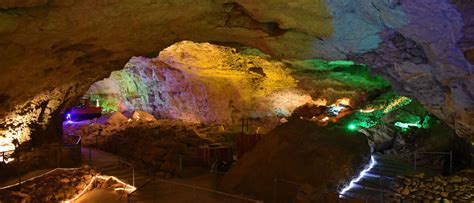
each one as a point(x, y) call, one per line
point(46, 44)
point(39, 118)
point(201, 82)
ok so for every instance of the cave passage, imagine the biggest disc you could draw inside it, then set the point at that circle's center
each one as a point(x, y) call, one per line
point(249, 119)
point(236, 101)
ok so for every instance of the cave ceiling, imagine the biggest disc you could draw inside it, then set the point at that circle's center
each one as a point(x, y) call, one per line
point(51, 51)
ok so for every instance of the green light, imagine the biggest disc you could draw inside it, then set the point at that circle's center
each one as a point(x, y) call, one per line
point(407, 125)
point(352, 127)
point(341, 63)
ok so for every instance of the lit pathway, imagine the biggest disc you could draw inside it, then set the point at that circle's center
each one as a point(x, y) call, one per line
point(172, 191)
point(108, 164)
point(379, 178)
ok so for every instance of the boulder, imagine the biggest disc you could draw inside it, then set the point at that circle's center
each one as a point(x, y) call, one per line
point(143, 116)
point(117, 119)
point(380, 137)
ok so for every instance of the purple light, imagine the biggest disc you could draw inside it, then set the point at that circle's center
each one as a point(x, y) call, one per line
point(68, 117)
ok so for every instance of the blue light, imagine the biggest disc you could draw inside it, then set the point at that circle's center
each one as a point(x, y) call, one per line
point(361, 175)
point(68, 117)
point(334, 110)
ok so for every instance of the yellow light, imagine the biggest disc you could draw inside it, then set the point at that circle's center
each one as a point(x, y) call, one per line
point(325, 119)
point(395, 103)
point(369, 110)
point(128, 188)
point(343, 101)
point(320, 102)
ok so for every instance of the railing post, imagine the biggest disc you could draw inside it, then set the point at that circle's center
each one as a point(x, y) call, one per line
point(155, 190)
point(3, 156)
point(275, 190)
point(19, 169)
point(414, 163)
point(450, 162)
point(247, 123)
point(380, 188)
point(195, 195)
point(133, 176)
point(180, 165)
point(90, 157)
point(58, 151)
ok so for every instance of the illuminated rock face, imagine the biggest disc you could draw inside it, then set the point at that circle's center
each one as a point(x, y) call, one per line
point(200, 83)
point(35, 118)
point(46, 44)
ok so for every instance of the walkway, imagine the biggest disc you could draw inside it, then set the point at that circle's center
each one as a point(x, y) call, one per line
point(109, 164)
point(376, 184)
point(163, 191)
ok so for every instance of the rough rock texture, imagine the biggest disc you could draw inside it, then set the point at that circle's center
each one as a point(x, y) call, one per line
point(60, 185)
point(302, 152)
point(201, 82)
point(40, 118)
point(46, 44)
point(156, 146)
point(455, 188)
point(380, 137)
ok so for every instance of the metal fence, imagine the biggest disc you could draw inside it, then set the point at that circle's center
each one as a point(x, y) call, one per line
point(157, 189)
point(381, 191)
point(21, 161)
point(416, 155)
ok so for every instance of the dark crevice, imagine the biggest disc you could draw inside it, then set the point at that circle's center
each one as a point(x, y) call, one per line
point(238, 16)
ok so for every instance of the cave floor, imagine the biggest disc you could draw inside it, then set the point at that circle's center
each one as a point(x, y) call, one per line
point(107, 164)
point(24, 177)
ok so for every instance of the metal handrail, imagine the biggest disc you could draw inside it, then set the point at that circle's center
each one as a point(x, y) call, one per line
point(374, 185)
point(20, 149)
point(450, 153)
point(155, 178)
point(142, 186)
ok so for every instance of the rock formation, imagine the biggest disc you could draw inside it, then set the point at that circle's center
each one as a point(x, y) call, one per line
point(422, 47)
point(299, 152)
point(200, 82)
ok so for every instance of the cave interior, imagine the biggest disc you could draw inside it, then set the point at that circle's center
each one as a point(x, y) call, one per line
point(277, 101)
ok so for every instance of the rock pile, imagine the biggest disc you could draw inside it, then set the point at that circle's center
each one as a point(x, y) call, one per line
point(58, 186)
point(158, 146)
point(301, 152)
point(459, 187)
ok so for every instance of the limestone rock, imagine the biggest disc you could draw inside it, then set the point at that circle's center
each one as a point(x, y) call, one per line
point(381, 137)
point(142, 115)
point(117, 119)
point(419, 46)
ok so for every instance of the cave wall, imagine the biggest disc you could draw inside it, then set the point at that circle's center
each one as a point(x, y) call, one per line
point(422, 47)
point(200, 82)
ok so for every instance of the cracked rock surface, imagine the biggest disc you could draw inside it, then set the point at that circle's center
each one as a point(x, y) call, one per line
point(424, 48)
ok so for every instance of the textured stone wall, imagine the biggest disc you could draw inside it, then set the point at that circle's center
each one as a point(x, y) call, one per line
point(46, 44)
point(200, 82)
